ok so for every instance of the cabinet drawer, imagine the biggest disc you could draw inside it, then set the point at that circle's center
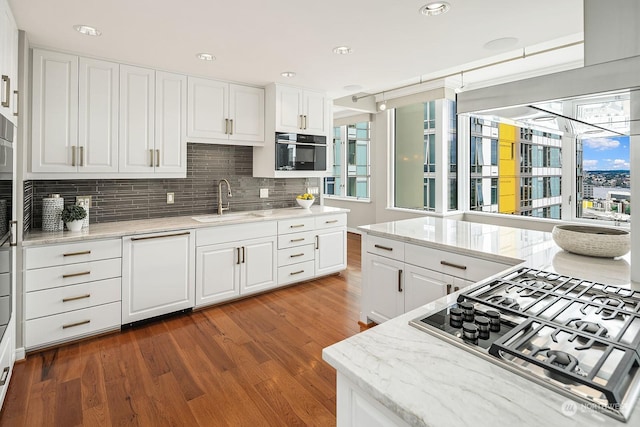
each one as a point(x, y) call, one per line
point(51, 277)
point(296, 225)
point(330, 221)
point(72, 253)
point(6, 368)
point(296, 239)
point(232, 233)
point(295, 255)
point(74, 324)
point(453, 264)
point(69, 298)
point(385, 247)
point(295, 272)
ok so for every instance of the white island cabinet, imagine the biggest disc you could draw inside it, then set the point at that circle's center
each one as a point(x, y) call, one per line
point(157, 274)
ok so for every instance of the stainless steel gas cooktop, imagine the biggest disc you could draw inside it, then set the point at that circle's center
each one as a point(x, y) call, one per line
point(574, 336)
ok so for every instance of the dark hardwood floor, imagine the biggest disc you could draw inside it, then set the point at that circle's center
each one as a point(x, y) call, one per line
point(254, 362)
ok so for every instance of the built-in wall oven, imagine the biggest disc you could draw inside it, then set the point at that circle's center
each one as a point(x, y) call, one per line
point(296, 152)
point(7, 133)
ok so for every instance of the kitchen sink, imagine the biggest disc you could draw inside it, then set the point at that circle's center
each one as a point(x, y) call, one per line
point(227, 217)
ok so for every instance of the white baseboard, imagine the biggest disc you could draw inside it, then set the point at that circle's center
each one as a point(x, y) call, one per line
point(20, 353)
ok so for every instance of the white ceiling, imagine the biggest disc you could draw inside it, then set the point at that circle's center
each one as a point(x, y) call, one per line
point(255, 40)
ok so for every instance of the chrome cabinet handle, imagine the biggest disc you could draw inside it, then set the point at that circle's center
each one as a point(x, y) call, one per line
point(300, 121)
point(151, 157)
point(295, 255)
point(305, 121)
point(76, 298)
point(296, 226)
point(71, 325)
point(84, 273)
point(73, 155)
point(448, 289)
point(296, 240)
point(231, 126)
point(6, 93)
point(15, 103)
point(400, 280)
point(384, 248)
point(317, 238)
point(331, 221)
point(226, 126)
point(296, 272)
point(449, 264)
point(77, 253)
point(243, 255)
point(159, 237)
point(158, 158)
point(238, 256)
point(81, 162)
point(5, 375)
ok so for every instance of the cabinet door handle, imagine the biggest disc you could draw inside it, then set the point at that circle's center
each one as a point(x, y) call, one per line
point(15, 103)
point(243, 255)
point(84, 273)
point(296, 272)
point(77, 253)
point(238, 256)
point(400, 280)
point(296, 240)
point(449, 264)
point(158, 158)
point(295, 255)
point(6, 93)
point(448, 289)
point(151, 157)
point(384, 248)
point(456, 289)
point(333, 221)
point(81, 161)
point(300, 121)
point(5, 375)
point(71, 325)
point(317, 238)
point(296, 226)
point(73, 155)
point(76, 298)
point(133, 239)
point(226, 126)
point(230, 126)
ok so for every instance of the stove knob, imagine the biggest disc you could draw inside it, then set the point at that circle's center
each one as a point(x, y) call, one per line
point(470, 331)
point(483, 327)
point(494, 320)
point(468, 310)
point(455, 317)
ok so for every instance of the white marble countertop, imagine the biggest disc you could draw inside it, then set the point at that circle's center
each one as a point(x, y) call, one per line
point(158, 225)
point(429, 382)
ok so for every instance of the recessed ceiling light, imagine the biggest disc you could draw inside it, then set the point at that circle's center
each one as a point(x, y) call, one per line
point(288, 74)
point(87, 30)
point(435, 8)
point(205, 56)
point(342, 50)
point(501, 43)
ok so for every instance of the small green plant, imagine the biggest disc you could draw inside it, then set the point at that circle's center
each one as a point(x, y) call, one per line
point(73, 213)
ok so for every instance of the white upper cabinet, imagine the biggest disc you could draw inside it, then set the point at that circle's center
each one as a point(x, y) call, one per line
point(171, 122)
point(98, 116)
point(8, 63)
point(54, 117)
point(300, 110)
point(137, 120)
point(224, 113)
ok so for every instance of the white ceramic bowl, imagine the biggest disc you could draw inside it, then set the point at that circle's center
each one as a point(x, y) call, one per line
point(306, 204)
point(594, 241)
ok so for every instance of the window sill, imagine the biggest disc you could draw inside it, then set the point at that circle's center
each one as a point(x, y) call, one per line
point(426, 213)
point(346, 199)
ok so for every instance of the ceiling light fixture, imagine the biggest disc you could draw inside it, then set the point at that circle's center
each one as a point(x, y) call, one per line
point(205, 56)
point(435, 8)
point(288, 74)
point(383, 104)
point(342, 50)
point(87, 30)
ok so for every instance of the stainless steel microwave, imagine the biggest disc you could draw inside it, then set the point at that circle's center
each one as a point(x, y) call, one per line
point(296, 152)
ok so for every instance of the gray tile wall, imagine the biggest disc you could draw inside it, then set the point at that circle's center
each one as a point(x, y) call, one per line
point(197, 194)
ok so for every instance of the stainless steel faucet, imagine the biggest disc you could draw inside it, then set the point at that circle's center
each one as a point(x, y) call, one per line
point(220, 208)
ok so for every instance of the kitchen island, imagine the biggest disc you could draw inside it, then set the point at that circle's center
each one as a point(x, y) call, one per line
point(394, 374)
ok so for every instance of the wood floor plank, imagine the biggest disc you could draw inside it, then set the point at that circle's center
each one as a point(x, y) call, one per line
point(252, 362)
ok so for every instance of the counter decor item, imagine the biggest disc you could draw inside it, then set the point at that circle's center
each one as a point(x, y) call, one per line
point(305, 200)
point(51, 208)
point(604, 242)
point(73, 216)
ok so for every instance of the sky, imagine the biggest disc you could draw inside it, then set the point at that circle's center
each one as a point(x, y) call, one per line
point(609, 153)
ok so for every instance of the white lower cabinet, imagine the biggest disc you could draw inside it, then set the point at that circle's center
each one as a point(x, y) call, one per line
point(422, 285)
point(356, 408)
point(331, 251)
point(72, 290)
point(384, 283)
point(157, 274)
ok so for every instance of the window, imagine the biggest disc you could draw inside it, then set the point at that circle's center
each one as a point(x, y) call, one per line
point(425, 160)
point(351, 162)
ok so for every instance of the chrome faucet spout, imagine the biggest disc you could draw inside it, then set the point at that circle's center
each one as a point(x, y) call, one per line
point(220, 206)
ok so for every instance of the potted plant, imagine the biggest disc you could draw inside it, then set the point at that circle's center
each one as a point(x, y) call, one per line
point(72, 215)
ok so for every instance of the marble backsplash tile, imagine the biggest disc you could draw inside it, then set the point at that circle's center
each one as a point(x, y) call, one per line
point(197, 194)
